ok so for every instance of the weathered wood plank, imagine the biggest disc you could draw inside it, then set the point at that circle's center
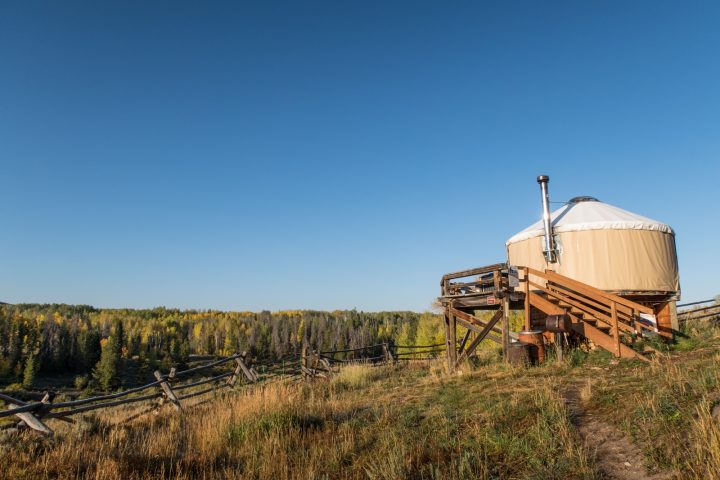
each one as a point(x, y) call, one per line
point(165, 385)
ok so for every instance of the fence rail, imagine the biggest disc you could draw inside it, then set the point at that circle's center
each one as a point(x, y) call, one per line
point(323, 364)
point(168, 389)
point(33, 414)
point(699, 313)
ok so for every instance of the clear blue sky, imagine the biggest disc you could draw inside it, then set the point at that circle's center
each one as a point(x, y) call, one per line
point(274, 155)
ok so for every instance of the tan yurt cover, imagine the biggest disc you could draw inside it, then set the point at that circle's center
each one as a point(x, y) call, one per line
point(604, 246)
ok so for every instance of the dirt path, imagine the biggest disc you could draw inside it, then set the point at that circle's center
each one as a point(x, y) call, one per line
point(613, 453)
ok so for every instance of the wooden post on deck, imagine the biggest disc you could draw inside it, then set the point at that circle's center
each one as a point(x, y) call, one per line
point(450, 339)
point(506, 327)
point(615, 330)
point(527, 300)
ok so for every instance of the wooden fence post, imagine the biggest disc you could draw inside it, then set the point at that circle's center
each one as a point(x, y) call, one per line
point(165, 385)
point(241, 363)
point(32, 418)
point(326, 364)
point(388, 354)
point(305, 363)
point(236, 373)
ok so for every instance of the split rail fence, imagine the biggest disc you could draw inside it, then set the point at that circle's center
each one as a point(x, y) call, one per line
point(323, 364)
point(699, 313)
point(175, 387)
point(166, 389)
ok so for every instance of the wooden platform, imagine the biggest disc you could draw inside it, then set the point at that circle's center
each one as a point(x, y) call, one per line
point(580, 311)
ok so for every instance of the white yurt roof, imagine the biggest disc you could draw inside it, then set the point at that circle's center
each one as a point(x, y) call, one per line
point(587, 213)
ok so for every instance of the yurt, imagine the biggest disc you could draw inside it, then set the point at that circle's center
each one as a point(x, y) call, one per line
point(606, 247)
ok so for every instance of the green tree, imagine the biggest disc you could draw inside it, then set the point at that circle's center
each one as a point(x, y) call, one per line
point(106, 370)
point(31, 368)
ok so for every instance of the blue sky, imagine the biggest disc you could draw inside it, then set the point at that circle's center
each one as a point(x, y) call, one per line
point(325, 155)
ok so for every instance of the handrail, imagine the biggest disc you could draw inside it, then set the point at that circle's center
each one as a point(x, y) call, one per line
point(575, 302)
point(574, 284)
point(472, 271)
point(624, 311)
point(591, 300)
point(601, 312)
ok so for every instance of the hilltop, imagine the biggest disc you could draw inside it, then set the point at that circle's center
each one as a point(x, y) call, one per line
point(589, 416)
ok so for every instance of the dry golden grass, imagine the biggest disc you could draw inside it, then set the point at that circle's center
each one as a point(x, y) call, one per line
point(666, 407)
point(377, 423)
point(492, 420)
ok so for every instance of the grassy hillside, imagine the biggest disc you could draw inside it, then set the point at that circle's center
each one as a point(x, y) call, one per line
point(587, 417)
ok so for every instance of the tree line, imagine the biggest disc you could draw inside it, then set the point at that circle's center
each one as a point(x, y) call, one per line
point(102, 348)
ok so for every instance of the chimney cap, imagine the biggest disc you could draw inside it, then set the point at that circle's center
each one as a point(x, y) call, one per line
point(543, 178)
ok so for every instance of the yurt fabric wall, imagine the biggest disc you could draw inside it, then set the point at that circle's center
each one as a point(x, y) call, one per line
point(604, 246)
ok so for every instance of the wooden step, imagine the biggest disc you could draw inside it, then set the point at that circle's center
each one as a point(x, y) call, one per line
point(602, 340)
point(602, 326)
point(543, 304)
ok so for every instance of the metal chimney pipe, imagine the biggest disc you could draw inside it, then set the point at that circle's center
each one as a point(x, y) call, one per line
point(549, 251)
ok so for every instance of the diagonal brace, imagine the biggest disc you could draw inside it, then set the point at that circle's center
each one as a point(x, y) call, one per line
point(481, 336)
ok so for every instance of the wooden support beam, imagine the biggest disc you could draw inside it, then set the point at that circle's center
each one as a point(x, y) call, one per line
point(527, 300)
point(615, 329)
point(453, 338)
point(449, 345)
point(478, 329)
point(505, 327)
point(460, 315)
point(559, 339)
point(167, 389)
point(464, 340)
point(481, 336)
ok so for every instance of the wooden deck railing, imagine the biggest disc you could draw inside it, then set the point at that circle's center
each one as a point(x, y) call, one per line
point(616, 312)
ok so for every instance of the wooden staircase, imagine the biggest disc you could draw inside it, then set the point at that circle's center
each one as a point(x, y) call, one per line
point(607, 320)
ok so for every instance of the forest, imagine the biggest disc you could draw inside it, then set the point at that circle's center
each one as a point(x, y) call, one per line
point(96, 345)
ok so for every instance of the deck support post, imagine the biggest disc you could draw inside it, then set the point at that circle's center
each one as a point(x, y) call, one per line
point(505, 327)
point(527, 300)
point(615, 330)
point(450, 339)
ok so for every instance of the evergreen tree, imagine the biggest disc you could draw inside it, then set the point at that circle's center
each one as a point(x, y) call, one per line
point(31, 368)
point(106, 370)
